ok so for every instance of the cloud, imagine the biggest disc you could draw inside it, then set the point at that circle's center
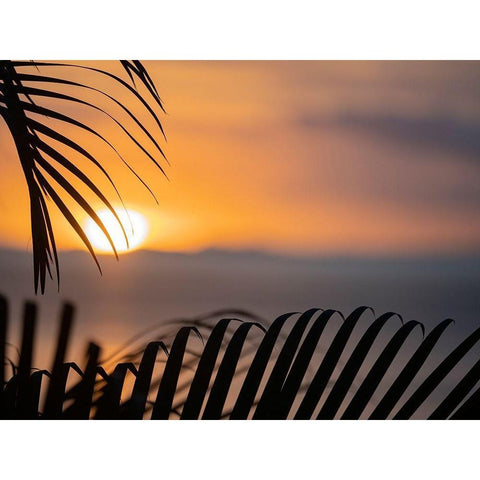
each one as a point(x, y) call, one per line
point(458, 137)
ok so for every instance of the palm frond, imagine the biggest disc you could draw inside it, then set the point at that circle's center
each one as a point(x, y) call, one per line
point(42, 159)
point(319, 364)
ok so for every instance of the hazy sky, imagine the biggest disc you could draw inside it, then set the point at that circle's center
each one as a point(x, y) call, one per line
point(297, 157)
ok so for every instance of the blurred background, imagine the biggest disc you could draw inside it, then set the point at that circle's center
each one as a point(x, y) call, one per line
point(292, 185)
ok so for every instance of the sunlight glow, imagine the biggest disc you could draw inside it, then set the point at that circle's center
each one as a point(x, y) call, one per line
point(134, 223)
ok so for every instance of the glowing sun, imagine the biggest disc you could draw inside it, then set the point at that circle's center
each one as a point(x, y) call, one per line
point(134, 223)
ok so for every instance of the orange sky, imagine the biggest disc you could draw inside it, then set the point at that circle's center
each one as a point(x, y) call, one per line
point(295, 157)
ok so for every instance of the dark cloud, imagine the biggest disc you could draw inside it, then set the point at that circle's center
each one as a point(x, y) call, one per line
point(455, 136)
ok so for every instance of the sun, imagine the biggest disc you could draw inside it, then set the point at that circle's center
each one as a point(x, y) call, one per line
point(134, 223)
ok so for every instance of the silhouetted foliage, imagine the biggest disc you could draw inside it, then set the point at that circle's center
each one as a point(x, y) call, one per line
point(39, 146)
point(292, 369)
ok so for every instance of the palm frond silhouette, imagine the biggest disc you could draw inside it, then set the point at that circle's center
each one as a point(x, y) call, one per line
point(22, 85)
point(228, 365)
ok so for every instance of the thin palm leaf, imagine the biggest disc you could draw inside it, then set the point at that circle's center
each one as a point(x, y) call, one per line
point(41, 158)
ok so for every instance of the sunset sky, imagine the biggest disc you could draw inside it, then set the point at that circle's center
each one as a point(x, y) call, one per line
point(308, 158)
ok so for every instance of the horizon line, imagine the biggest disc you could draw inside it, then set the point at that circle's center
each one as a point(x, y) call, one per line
point(275, 254)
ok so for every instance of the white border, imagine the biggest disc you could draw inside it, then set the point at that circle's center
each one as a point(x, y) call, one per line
point(243, 450)
point(250, 29)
